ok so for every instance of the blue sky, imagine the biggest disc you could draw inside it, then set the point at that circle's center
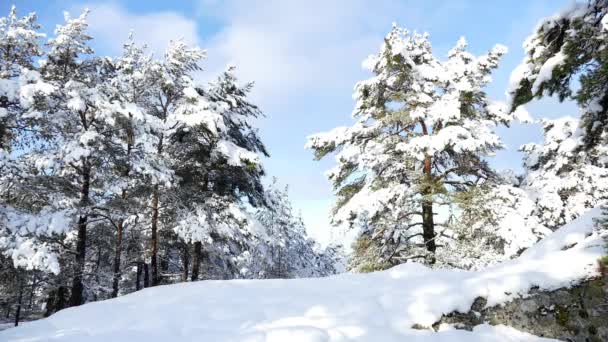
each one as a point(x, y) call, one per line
point(305, 57)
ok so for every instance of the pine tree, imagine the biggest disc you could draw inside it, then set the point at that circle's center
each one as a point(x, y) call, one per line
point(278, 220)
point(78, 127)
point(220, 169)
point(19, 45)
point(290, 253)
point(174, 89)
point(96, 151)
point(130, 84)
point(563, 47)
point(567, 56)
point(423, 129)
point(564, 185)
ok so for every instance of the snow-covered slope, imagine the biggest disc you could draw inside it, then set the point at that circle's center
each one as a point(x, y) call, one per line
point(380, 306)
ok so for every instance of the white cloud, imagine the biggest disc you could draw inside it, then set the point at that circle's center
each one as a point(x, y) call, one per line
point(305, 57)
point(110, 25)
point(294, 47)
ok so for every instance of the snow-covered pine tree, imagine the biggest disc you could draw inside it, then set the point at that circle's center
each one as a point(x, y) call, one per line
point(174, 89)
point(423, 129)
point(29, 222)
point(73, 150)
point(567, 56)
point(19, 45)
point(80, 160)
point(278, 219)
point(492, 223)
point(129, 85)
point(220, 171)
point(561, 175)
point(290, 253)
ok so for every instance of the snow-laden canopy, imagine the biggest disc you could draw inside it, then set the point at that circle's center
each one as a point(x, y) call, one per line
point(380, 306)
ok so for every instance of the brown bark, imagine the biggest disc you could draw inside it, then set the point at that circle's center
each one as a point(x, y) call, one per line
point(428, 225)
point(196, 260)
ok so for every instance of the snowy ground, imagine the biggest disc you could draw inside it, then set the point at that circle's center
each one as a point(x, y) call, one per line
point(6, 325)
point(380, 306)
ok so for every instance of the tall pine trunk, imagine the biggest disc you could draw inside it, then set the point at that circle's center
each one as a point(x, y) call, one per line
point(428, 225)
point(32, 292)
point(196, 260)
point(19, 300)
point(154, 238)
point(121, 222)
point(117, 256)
point(138, 276)
point(185, 261)
point(146, 275)
point(76, 295)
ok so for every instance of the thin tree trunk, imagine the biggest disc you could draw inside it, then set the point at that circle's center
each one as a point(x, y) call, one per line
point(428, 226)
point(19, 301)
point(196, 260)
point(31, 300)
point(121, 222)
point(76, 296)
point(146, 276)
point(185, 262)
point(154, 238)
point(138, 278)
point(117, 273)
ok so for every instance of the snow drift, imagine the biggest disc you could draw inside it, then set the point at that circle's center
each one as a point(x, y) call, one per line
point(380, 306)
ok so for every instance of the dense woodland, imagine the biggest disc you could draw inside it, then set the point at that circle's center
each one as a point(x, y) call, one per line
point(121, 173)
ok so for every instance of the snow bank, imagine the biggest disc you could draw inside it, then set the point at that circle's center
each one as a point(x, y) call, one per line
point(379, 306)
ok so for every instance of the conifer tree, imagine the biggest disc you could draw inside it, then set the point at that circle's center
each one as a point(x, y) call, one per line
point(423, 130)
point(78, 127)
point(567, 56)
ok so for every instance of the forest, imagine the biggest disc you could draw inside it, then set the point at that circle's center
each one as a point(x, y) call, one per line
point(124, 173)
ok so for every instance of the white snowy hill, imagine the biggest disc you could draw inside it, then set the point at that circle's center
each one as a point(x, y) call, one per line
point(381, 306)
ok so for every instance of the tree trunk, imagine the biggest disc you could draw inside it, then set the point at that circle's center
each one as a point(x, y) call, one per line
point(19, 301)
point(117, 273)
point(428, 226)
point(31, 300)
point(76, 297)
point(154, 238)
point(121, 222)
point(146, 276)
point(138, 279)
point(196, 260)
point(185, 262)
point(60, 304)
